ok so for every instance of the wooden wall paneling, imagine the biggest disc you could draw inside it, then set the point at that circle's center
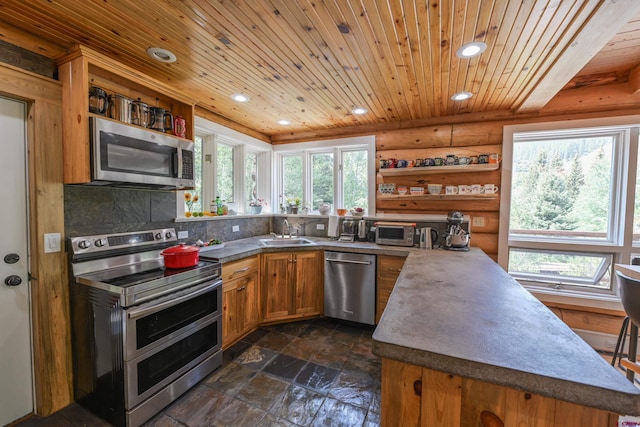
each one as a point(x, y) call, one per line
point(478, 396)
point(606, 323)
point(49, 286)
point(409, 205)
point(491, 221)
point(470, 134)
point(441, 398)
point(74, 74)
point(572, 415)
point(417, 138)
point(421, 153)
point(401, 383)
point(526, 409)
point(488, 242)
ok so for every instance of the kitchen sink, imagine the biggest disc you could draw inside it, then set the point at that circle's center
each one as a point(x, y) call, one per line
point(283, 242)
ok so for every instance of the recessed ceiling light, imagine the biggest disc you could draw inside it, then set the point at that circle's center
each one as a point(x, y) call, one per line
point(162, 55)
point(240, 97)
point(359, 110)
point(284, 122)
point(461, 96)
point(471, 49)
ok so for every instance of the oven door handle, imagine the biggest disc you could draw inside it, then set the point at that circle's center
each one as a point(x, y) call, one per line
point(132, 314)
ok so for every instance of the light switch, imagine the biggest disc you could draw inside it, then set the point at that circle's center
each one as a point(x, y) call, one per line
point(183, 234)
point(235, 228)
point(319, 226)
point(478, 221)
point(51, 242)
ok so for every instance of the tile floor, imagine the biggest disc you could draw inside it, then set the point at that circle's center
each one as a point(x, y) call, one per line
point(311, 373)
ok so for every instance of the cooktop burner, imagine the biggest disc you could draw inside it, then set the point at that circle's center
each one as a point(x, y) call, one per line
point(131, 265)
point(145, 272)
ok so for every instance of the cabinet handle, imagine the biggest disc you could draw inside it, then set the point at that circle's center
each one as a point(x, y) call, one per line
point(395, 270)
point(242, 270)
point(242, 288)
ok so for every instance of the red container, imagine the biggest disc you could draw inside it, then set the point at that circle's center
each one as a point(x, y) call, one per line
point(181, 256)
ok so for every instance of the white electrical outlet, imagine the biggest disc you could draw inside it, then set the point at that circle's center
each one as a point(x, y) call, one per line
point(183, 234)
point(235, 228)
point(319, 226)
point(477, 221)
point(51, 242)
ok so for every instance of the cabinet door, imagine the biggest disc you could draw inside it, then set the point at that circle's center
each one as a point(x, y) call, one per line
point(389, 268)
point(308, 283)
point(276, 285)
point(230, 320)
point(249, 308)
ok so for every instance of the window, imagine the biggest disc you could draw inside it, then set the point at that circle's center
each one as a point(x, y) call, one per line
point(338, 172)
point(570, 207)
point(228, 164)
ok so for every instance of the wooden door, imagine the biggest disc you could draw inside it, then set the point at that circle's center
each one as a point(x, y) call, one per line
point(230, 318)
point(308, 283)
point(249, 309)
point(277, 285)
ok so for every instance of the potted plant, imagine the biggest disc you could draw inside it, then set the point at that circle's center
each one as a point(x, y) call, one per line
point(294, 204)
point(255, 206)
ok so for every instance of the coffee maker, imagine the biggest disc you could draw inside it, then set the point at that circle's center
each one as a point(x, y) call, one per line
point(456, 238)
point(348, 230)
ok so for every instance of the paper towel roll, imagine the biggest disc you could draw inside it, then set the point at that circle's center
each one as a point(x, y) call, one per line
point(332, 228)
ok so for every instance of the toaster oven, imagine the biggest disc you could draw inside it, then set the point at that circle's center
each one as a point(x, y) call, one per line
point(395, 233)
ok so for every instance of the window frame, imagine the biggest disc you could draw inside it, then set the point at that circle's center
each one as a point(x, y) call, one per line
point(337, 147)
point(213, 133)
point(619, 242)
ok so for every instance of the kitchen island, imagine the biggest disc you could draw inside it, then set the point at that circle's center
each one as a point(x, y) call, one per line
point(463, 344)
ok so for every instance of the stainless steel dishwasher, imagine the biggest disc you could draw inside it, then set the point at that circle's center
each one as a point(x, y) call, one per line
point(350, 287)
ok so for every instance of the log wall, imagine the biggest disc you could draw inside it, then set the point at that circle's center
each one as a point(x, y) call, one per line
point(438, 141)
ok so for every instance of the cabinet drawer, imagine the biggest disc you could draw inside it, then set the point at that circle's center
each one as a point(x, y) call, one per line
point(389, 267)
point(241, 268)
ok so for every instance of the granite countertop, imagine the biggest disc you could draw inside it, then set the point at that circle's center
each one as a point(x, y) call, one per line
point(238, 249)
point(461, 313)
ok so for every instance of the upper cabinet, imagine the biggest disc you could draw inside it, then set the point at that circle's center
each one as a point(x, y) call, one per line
point(82, 68)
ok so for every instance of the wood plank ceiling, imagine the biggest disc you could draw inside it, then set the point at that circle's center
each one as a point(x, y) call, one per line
point(312, 61)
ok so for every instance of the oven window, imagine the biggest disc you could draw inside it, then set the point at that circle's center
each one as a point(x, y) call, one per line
point(394, 233)
point(158, 325)
point(161, 365)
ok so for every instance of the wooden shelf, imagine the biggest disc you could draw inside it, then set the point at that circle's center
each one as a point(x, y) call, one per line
point(439, 169)
point(437, 196)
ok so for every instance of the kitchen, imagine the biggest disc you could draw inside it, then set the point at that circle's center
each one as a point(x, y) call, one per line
point(155, 208)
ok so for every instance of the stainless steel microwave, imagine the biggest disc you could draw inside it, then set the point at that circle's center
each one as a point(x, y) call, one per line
point(395, 233)
point(132, 156)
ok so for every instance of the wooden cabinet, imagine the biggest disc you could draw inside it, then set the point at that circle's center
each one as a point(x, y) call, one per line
point(417, 396)
point(83, 67)
point(240, 299)
point(388, 270)
point(292, 285)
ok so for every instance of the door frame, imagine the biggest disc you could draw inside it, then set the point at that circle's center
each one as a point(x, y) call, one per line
point(50, 314)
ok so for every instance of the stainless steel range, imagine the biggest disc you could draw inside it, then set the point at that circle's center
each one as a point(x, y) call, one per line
point(142, 334)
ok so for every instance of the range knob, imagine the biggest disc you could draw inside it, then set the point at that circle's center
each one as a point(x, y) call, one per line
point(100, 242)
point(158, 236)
point(169, 235)
point(84, 244)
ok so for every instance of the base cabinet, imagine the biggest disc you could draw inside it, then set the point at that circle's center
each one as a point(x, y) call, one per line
point(388, 270)
point(292, 285)
point(416, 396)
point(240, 299)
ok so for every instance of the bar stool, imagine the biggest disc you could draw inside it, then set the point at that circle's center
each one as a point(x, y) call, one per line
point(630, 298)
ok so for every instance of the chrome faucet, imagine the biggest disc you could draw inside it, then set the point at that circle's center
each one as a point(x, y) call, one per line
point(285, 228)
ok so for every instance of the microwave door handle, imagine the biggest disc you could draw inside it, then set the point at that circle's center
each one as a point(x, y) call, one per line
point(177, 163)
